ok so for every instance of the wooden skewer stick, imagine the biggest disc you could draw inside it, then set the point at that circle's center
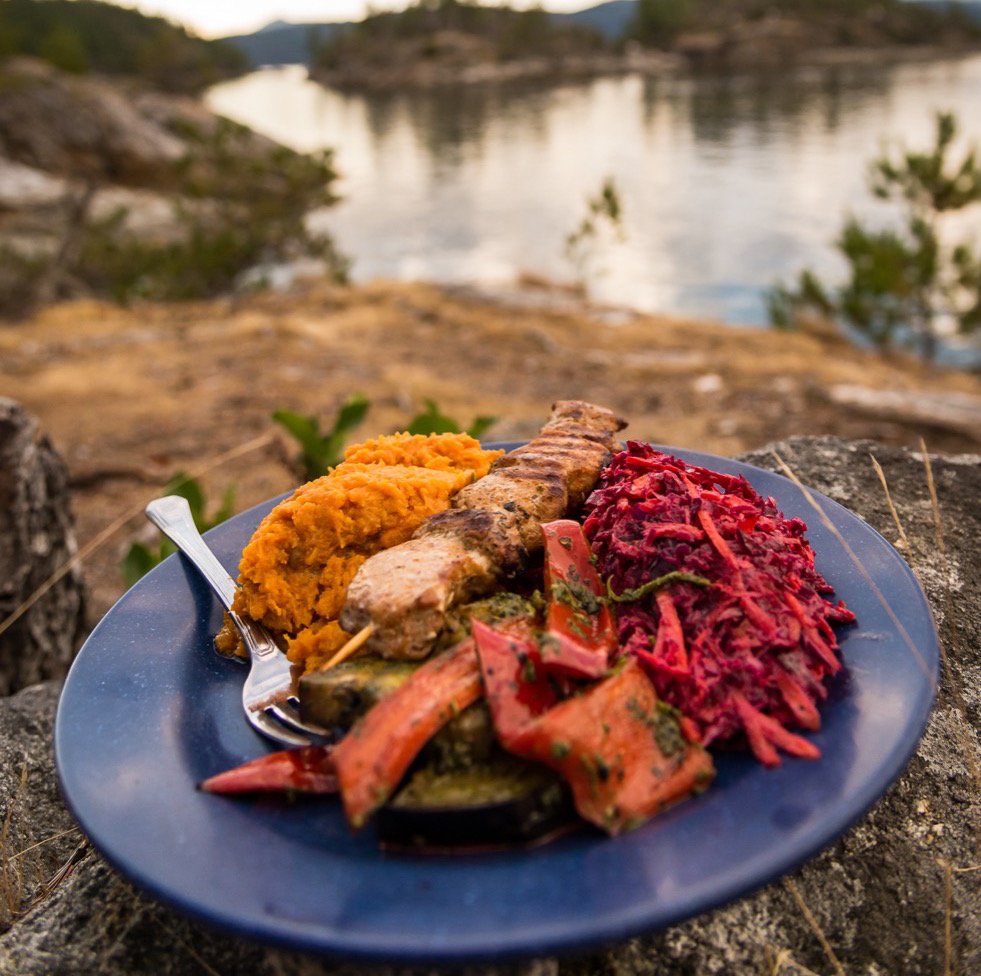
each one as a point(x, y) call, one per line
point(352, 646)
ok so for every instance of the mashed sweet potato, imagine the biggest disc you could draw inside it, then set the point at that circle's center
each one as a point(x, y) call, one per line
point(297, 566)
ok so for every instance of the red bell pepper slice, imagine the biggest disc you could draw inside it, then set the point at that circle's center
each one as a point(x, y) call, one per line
point(515, 684)
point(309, 769)
point(580, 632)
point(374, 756)
point(623, 752)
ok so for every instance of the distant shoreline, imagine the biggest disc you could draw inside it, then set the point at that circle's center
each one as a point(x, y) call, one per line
point(646, 62)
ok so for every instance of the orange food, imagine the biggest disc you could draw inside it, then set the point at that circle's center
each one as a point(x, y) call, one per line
point(296, 568)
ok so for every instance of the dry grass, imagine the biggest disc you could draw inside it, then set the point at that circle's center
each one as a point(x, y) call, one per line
point(782, 963)
point(952, 634)
point(814, 926)
point(12, 868)
point(23, 884)
point(175, 936)
point(892, 507)
point(66, 868)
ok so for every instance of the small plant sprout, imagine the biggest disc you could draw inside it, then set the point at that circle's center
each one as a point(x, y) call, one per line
point(433, 421)
point(601, 225)
point(319, 452)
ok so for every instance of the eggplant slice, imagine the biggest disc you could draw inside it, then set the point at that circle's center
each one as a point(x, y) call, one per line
point(339, 697)
point(503, 802)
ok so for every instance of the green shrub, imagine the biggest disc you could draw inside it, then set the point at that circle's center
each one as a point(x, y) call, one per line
point(242, 207)
point(320, 452)
point(604, 216)
point(904, 285)
point(83, 35)
point(20, 278)
point(433, 421)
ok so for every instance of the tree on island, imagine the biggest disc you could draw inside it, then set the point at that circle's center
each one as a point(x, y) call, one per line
point(79, 36)
point(658, 23)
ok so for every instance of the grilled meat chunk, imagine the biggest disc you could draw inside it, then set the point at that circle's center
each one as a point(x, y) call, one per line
point(468, 550)
point(407, 593)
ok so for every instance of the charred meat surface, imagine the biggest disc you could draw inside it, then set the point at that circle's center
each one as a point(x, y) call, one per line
point(404, 593)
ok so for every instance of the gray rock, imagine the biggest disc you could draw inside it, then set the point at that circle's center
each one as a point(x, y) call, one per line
point(38, 835)
point(898, 894)
point(24, 186)
point(38, 539)
point(90, 130)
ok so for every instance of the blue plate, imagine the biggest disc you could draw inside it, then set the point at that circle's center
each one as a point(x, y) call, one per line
point(149, 710)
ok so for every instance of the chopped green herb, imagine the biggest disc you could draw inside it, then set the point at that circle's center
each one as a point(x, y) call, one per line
point(577, 596)
point(702, 780)
point(590, 768)
point(667, 730)
point(547, 641)
point(577, 624)
point(632, 596)
point(528, 672)
point(664, 726)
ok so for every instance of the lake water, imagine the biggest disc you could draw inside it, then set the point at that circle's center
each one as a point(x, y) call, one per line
point(726, 185)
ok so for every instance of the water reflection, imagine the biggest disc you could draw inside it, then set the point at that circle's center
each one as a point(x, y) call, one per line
point(727, 184)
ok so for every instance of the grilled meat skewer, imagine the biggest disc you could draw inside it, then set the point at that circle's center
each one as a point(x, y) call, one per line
point(466, 551)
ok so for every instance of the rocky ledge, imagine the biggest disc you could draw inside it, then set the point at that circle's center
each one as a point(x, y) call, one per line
point(897, 894)
point(108, 187)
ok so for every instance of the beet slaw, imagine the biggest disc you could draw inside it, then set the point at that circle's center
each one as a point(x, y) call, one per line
point(718, 596)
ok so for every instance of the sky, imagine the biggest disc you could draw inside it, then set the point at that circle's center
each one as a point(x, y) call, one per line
point(219, 18)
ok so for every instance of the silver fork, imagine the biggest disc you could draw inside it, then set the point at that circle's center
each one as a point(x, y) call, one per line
point(267, 695)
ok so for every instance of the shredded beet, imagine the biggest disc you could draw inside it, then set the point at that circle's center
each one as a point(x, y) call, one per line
point(718, 596)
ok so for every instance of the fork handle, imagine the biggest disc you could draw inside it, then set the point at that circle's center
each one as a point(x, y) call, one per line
point(172, 515)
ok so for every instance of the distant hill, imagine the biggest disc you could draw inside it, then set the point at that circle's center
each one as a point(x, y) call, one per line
point(972, 8)
point(80, 36)
point(611, 19)
point(284, 43)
